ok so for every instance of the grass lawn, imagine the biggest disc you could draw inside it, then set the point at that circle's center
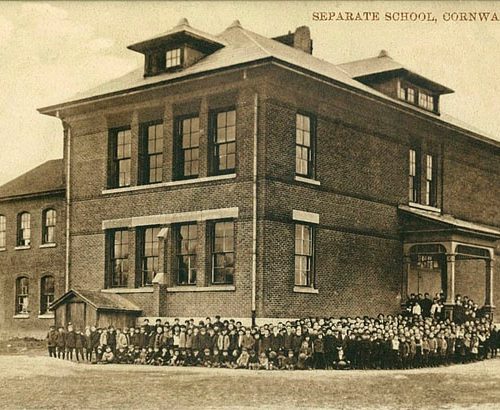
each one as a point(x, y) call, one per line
point(38, 382)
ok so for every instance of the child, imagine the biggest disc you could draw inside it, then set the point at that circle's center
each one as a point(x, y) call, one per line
point(52, 341)
point(263, 361)
point(216, 358)
point(149, 356)
point(79, 343)
point(196, 359)
point(281, 359)
point(253, 361)
point(242, 361)
point(107, 357)
point(164, 356)
point(132, 353)
point(290, 362)
point(121, 356)
point(206, 359)
point(226, 360)
point(273, 360)
point(141, 359)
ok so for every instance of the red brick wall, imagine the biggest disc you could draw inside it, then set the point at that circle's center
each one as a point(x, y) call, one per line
point(33, 263)
point(362, 150)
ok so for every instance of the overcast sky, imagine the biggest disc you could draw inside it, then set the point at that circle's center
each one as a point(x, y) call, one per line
point(51, 51)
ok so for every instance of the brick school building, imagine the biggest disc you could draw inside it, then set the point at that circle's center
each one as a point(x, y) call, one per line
point(239, 175)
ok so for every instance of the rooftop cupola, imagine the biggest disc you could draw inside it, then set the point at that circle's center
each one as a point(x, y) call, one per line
point(176, 49)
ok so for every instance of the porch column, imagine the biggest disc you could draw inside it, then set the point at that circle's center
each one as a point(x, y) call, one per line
point(450, 285)
point(162, 276)
point(488, 302)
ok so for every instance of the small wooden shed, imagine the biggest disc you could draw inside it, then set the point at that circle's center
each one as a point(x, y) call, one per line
point(94, 308)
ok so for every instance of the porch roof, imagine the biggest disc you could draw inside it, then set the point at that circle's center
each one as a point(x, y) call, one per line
point(98, 300)
point(452, 222)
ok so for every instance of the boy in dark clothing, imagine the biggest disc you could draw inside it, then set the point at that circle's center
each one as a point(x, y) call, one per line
point(79, 343)
point(52, 341)
point(319, 352)
point(70, 343)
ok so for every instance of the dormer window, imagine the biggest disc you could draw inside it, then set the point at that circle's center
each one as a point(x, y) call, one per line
point(426, 101)
point(177, 49)
point(407, 94)
point(173, 58)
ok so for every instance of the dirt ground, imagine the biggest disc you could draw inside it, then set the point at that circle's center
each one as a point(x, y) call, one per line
point(39, 382)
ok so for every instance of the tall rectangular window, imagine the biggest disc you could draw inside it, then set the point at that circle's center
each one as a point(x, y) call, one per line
point(121, 144)
point(188, 151)
point(119, 265)
point(224, 142)
point(304, 146)
point(151, 161)
point(49, 217)
point(173, 58)
point(149, 255)
point(186, 245)
point(430, 181)
point(223, 252)
point(304, 255)
point(3, 231)
point(24, 229)
point(47, 291)
point(22, 296)
point(413, 176)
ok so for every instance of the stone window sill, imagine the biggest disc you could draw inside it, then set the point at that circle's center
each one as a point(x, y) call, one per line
point(46, 316)
point(305, 289)
point(425, 207)
point(307, 180)
point(167, 184)
point(3, 249)
point(22, 316)
point(148, 289)
point(215, 288)
point(48, 245)
point(22, 247)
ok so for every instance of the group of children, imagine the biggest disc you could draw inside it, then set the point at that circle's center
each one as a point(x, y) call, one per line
point(385, 342)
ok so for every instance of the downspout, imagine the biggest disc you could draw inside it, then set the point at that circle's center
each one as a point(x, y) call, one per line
point(254, 216)
point(68, 196)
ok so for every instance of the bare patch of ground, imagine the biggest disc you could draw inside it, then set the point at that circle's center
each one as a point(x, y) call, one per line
point(44, 383)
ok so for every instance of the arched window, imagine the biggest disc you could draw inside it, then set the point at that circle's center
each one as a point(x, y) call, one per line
point(3, 231)
point(23, 229)
point(22, 295)
point(49, 226)
point(47, 290)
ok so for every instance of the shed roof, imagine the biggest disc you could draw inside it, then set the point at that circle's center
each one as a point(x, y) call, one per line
point(99, 300)
point(452, 221)
point(47, 177)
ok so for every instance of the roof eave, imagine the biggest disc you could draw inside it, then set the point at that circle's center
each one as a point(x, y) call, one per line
point(54, 109)
point(32, 195)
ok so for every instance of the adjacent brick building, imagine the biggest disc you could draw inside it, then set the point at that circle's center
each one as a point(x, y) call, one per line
point(240, 175)
point(32, 249)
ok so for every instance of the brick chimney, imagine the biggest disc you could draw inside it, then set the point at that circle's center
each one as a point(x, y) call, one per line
point(300, 39)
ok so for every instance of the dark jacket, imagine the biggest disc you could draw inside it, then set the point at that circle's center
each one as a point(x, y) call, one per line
point(71, 340)
point(61, 340)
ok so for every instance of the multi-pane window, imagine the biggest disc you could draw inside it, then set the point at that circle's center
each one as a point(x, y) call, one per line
point(223, 252)
point(426, 101)
point(151, 167)
point(121, 141)
point(430, 181)
point(406, 93)
point(303, 255)
point(303, 146)
point(24, 229)
point(224, 141)
point(413, 176)
point(187, 242)
point(119, 259)
point(149, 256)
point(22, 295)
point(173, 58)
point(49, 226)
point(47, 291)
point(188, 143)
point(3, 231)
